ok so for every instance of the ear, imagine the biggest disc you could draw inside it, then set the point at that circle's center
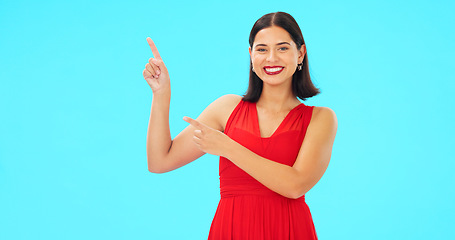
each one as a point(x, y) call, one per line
point(302, 53)
point(249, 50)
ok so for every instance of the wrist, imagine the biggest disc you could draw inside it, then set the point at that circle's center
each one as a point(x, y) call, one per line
point(162, 94)
point(231, 147)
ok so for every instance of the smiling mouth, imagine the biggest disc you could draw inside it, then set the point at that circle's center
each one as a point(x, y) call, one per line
point(273, 70)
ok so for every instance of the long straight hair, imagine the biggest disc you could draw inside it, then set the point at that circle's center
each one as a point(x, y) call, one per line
point(302, 86)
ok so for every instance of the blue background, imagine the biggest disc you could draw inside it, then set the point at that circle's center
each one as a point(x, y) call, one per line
point(75, 109)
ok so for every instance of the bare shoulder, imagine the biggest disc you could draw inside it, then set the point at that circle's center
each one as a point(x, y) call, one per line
point(220, 110)
point(228, 100)
point(324, 112)
point(324, 118)
point(225, 106)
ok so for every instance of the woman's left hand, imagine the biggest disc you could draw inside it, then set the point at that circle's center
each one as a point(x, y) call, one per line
point(207, 139)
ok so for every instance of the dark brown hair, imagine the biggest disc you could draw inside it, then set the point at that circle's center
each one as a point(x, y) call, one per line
point(302, 86)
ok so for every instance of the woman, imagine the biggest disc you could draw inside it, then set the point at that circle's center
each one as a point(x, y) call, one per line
point(273, 148)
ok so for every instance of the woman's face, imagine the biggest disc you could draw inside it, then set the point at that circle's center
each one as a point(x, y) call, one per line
point(275, 56)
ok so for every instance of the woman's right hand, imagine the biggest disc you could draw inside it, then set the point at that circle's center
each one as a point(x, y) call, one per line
point(155, 72)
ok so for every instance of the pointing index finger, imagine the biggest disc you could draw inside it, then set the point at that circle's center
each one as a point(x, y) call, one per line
point(193, 122)
point(155, 52)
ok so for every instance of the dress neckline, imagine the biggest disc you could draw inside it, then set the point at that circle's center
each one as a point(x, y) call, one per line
point(258, 129)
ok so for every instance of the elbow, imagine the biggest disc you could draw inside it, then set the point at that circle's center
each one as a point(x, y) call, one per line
point(153, 167)
point(297, 191)
point(155, 170)
point(296, 194)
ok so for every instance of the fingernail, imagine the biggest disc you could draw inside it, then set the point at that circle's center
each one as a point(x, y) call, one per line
point(158, 72)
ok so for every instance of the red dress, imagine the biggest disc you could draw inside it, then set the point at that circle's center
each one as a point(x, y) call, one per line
point(247, 209)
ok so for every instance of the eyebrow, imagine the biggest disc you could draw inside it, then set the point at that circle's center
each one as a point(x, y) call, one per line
point(261, 44)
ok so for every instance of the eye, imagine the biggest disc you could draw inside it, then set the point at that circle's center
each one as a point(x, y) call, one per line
point(284, 48)
point(261, 50)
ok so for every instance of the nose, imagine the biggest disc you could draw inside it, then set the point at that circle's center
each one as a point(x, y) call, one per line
point(272, 56)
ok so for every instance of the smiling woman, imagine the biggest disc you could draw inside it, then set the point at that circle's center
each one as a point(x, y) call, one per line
point(273, 148)
point(282, 26)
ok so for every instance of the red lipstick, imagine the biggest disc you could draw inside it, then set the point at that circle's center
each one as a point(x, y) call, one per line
point(275, 68)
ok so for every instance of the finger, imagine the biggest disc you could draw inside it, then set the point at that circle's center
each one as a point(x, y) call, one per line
point(155, 65)
point(198, 133)
point(147, 74)
point(155, 52)
point(193, 122)
point(197, 141)
point(152, 71)
point(149, 69)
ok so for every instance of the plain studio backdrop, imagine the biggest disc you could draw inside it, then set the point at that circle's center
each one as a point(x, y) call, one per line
point(75, 108)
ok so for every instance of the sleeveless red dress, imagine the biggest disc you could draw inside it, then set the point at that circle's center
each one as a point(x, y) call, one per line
point(247, 209)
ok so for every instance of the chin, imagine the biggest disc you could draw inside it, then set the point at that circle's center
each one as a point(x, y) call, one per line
point(274, 80)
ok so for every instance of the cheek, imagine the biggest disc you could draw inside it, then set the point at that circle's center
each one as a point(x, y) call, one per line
point(256, 60)
point(295, 57)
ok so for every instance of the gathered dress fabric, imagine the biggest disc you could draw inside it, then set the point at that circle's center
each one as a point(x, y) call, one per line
point(248, 210)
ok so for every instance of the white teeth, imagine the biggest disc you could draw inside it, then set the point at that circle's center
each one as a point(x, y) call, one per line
point(273, 69)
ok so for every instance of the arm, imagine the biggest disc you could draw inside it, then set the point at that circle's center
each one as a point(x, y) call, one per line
point(163, 153)
point(292, 182)
point(158, 133)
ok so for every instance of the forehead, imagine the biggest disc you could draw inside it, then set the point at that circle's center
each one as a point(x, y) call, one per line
point(272, 35)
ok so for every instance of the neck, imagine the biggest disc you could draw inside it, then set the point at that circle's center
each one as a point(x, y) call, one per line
point(277, 98)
